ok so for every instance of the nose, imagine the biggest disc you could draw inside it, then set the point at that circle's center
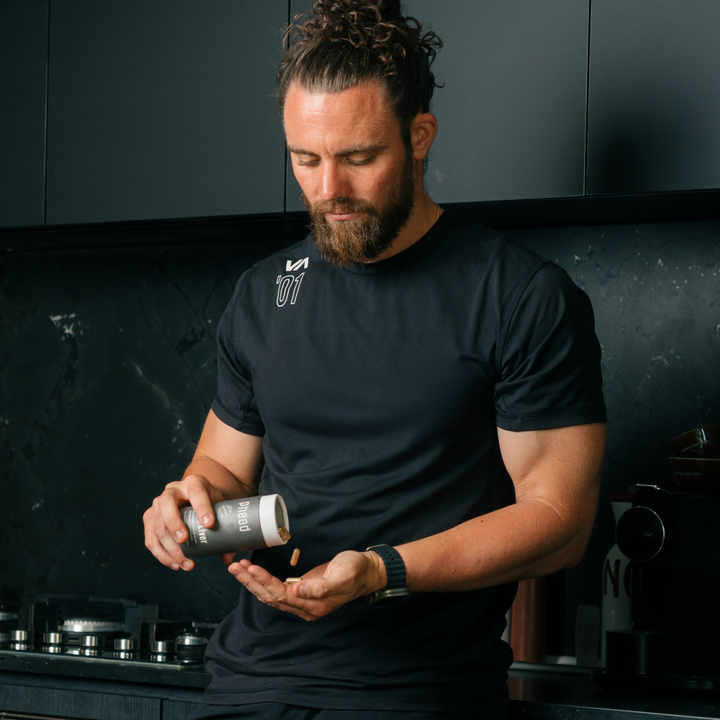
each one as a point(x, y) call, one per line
point(333, 183)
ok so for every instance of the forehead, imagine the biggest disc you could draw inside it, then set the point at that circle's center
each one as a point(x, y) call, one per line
point(336, 120)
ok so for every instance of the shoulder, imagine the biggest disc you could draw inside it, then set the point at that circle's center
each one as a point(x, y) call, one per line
point(511, 276)
point(502, 268)
point(488, 249)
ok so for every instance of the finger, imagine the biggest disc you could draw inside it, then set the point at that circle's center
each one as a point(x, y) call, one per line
point(168, 511)
point(312, 589)
point(259, 582)
point(307, 608)
point(151, 541)
point(153, 544)
point(198, 493)
point(167, 540)
point(342, 577)
point(268, 589)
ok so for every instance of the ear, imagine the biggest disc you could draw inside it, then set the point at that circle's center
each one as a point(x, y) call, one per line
point(422, 133)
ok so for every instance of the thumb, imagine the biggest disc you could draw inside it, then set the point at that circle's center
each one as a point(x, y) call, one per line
point(315, 589)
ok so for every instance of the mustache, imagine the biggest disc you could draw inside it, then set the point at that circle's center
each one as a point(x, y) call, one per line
point(342, 205)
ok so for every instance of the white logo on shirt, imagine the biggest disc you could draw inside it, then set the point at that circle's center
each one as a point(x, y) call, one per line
point(289, 285)
point(290, 266)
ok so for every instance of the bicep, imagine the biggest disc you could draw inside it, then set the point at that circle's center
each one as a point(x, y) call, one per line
point(558, 467)
point(241, 454)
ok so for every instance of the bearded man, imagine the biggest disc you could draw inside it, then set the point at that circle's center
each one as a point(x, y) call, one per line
point(425, 396)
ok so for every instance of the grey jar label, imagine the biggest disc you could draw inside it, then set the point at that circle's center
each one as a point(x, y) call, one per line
point(242, 524)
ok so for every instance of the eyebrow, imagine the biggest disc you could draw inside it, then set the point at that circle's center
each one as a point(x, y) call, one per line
point(344, 153)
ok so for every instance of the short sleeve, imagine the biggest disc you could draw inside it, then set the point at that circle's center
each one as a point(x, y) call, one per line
point(235, 403)
point(548, 358)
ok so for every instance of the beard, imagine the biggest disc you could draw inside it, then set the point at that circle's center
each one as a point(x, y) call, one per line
point(353, 242)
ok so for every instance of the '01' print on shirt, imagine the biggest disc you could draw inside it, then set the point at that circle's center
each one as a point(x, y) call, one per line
point(289, 285)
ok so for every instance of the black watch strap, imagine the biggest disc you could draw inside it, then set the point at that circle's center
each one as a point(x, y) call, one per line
point(396, 587)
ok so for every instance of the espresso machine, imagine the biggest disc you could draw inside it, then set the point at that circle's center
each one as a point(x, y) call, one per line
point(673, 541)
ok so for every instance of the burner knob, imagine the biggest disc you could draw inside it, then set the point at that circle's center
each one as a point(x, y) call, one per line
point(55, 638)
point(163, 647)
point(189, 640)
point(125, 644)
point(22, 636)
point(93, 642)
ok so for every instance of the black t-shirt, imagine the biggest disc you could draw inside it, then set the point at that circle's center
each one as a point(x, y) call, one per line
point(378, 390)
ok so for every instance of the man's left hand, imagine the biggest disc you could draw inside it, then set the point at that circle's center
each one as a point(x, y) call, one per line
point(323, 589)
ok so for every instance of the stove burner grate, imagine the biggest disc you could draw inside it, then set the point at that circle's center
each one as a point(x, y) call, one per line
point(84, 626)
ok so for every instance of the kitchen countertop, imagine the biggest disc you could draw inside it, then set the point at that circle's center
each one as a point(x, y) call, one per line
point(537, 692)
point(540, 692)
point(133, 671)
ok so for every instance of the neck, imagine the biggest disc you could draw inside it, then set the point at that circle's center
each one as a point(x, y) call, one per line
point(424, 215)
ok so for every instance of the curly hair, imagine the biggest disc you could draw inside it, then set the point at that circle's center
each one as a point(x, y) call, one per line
point(345, 43)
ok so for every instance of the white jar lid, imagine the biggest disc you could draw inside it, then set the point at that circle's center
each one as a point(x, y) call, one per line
point(273, 515)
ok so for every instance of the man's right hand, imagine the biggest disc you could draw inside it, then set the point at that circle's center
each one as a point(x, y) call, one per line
point(227, 464)
point(164, 528)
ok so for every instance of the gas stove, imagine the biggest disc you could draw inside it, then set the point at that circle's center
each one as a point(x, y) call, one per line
point(101, 637)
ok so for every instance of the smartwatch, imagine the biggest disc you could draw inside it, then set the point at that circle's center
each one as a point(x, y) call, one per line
point(396, 587)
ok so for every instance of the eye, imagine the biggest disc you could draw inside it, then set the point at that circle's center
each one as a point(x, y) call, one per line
point(364, 161)
point(307, 162)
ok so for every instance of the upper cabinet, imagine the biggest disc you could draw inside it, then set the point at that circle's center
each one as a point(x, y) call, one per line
point(654, 96)
point(511, 114)
point(163, 109)
point(23, 71)
point(153, 109)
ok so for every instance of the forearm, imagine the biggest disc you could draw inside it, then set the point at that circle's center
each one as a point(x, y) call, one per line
point(515, 543)
point(229, 460)
point(220, 477)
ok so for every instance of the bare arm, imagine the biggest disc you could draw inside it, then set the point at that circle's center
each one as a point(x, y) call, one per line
point(556, 477)
point(227, 464)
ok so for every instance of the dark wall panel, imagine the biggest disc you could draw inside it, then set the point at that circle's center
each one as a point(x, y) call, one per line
point(23, 60)
point(163, 109)
point(654, 100)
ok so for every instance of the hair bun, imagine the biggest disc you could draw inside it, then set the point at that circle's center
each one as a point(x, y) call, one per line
point(380, 10)
point(342, 43)
point(389, 9)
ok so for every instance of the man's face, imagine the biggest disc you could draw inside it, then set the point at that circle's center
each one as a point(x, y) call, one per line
point(357, 176)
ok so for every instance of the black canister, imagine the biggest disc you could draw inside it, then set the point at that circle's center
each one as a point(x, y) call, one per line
point(637, 652)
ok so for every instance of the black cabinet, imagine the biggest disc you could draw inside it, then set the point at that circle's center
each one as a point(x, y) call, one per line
point(131, 110)
point(512, 113)
point(58, 697)
point(23, 60)
point(654, 96)
point(163, 109)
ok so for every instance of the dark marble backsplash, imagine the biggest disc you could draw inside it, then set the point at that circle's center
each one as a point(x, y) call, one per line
point(655, 290)
point(107, 370)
